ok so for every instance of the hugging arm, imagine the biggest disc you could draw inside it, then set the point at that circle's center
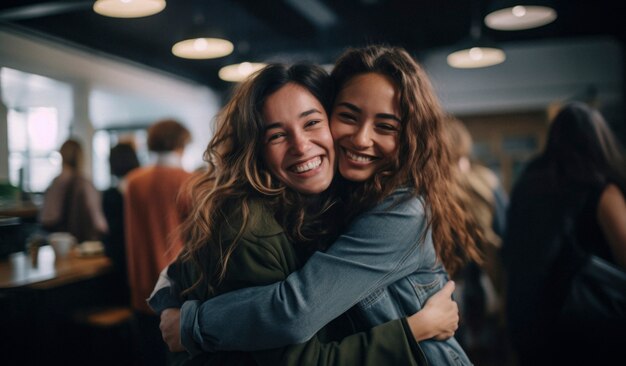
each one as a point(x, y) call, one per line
point(438, 320)
point(257, 264)
point(380, 247)
point(385, 344)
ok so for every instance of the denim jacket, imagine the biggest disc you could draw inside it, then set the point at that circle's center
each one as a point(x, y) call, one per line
point(382, 263)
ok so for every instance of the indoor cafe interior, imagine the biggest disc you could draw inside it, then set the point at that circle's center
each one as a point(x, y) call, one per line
point(102, 72)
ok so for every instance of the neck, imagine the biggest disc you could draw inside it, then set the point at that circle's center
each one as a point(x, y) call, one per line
point(170, 158)
point(67, 169)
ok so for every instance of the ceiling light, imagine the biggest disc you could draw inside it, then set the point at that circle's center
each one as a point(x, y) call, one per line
point(202, 40)
point(239, 72)
point(202, 48)
point(128, 8)
point(518, 15)
point(476, 50)
point(475, 57)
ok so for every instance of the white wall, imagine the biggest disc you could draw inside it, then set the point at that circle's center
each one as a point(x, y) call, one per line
point(534, 75)
point(108, 91)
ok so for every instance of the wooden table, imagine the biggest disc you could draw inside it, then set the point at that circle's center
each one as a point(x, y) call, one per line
point(18, 271)
point(23, 209)
point(38, 303)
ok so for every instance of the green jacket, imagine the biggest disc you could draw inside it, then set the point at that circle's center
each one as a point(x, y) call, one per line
point(265, 255)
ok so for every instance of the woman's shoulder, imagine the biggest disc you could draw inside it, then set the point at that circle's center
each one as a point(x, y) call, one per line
point(260, 224)
point(263, 246)
point(402, 199)
point(611, 194)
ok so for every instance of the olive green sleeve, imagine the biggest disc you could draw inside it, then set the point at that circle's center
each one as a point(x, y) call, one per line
point(385, 344)
point(270, 260)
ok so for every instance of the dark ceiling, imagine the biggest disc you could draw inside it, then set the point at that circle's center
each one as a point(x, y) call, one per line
point(275, 30)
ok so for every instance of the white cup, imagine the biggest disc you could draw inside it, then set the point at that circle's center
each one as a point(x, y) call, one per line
point(61, 243)
point(90, 247)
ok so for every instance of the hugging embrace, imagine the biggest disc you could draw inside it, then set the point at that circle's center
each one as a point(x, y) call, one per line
point(327, 226)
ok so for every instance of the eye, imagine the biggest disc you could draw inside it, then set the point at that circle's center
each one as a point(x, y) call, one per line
point(346, 117)
point(387, 126)
point(312, 123)
point(275, 137)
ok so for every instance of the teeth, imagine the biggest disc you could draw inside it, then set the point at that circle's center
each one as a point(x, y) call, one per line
point(359, 158)
point(309, 165)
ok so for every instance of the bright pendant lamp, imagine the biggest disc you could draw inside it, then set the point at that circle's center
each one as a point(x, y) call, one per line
point(476, 51)
point(128, 8)
point(239, 72)
point(202, 48)
point(202, 41)
point(476, 56)
point(512, 15)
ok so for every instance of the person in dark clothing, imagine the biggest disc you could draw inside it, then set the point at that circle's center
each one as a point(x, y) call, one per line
point(580, 174)
point(122, 159)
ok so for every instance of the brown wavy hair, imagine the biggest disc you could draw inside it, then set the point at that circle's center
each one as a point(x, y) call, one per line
point(423, 162)
point(237, 174)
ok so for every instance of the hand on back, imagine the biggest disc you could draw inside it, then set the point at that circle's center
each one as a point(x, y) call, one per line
point(439, 318)
point(170, 329)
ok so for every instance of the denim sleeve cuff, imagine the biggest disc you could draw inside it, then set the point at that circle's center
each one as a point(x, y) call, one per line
point(163, 299)
point(189, 326)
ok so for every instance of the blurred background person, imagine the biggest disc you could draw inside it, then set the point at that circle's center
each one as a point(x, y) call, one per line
point(122, 160)
point(480, 288)
point(581, 174)
point(152, 215)
point(71, 203)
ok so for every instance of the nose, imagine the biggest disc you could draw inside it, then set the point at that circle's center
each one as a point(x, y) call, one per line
point(361, 139)
point(300, 143)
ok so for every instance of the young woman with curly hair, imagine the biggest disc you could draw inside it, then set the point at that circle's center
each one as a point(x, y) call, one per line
point(263, 208)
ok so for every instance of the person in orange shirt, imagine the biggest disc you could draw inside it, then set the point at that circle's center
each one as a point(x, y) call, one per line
point(153, 212)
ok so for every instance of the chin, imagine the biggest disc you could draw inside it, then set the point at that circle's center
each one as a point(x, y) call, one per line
point(310, 191)
point(356, 176)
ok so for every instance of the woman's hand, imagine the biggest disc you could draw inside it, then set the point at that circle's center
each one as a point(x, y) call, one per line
point(439, 318)
point(170, 329)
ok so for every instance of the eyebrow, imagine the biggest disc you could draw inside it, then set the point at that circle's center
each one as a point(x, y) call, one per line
point(354, 108)
point(303, 114)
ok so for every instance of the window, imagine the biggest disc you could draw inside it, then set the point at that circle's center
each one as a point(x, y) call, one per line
point(39, 111)
point(33, 157)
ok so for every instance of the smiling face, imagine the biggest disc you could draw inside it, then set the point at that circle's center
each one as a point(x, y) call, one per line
point(366, 125)
point(298, 144)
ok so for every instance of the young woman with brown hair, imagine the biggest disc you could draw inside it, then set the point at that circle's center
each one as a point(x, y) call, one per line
point(263, 208)
point(408, 229)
